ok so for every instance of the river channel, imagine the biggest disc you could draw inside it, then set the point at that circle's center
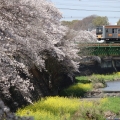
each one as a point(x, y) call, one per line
point(112, 86)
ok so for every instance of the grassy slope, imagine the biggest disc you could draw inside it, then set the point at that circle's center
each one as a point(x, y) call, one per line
point(61, 108)
point(69, 108)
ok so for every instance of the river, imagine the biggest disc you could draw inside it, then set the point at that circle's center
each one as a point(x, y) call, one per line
point(112, 86)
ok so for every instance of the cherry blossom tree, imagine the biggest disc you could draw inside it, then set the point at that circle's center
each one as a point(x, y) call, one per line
point(85, 37)
point(37, 53)
point(33, 48)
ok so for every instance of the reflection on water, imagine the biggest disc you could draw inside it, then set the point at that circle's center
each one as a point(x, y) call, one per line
point(112, 86)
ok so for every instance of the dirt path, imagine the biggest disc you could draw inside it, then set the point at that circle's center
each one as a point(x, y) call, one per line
point(97, 94)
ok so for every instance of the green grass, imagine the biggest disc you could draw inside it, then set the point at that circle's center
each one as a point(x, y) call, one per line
point(112, 104)
point(97, 77)
point(77, 90)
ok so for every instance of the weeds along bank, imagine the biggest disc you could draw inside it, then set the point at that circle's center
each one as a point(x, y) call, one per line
point(73, 107)
point(85, 84)
point(99, 77)
point(62, 108)
point(77, 90)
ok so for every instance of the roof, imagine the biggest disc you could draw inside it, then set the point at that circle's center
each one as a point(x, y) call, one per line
point(112, 26)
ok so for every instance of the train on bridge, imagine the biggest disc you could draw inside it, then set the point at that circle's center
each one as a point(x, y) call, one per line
point(108, 33)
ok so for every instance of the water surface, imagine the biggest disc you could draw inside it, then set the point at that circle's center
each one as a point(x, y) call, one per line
point(112, 86)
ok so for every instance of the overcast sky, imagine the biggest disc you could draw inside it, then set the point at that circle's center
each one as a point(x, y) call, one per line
point(79, 9)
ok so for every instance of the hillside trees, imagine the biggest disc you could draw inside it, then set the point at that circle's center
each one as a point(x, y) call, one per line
point(84, 24)
point(118, 23)
point(35, 54)
point(70, 24)
point(99, 20)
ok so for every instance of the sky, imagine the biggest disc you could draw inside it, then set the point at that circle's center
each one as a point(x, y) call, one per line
point(79, 9)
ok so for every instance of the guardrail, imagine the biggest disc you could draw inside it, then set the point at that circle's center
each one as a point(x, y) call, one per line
point(99, 49)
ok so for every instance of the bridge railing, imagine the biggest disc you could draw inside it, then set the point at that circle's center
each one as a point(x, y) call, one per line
point(99, 49)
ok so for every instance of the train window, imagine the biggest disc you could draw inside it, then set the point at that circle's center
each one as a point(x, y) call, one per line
point(115, 30)
point(112, 30)
point(118, 29)
point(106, 30)
point(99, 30)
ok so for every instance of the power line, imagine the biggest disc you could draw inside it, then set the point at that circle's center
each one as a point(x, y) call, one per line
point(85, 17)
point(87, 5)
point(87, 10)
point(104, 0)
point(79, 2)
point(93, 1)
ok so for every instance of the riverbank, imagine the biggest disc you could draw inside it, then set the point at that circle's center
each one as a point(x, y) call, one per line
point(63, 108)
point(99, 77)
point(81, 101)
point(101, 88)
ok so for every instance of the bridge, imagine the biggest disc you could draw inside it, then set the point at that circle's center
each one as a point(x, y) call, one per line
point(100, 49)
point(109, 53)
